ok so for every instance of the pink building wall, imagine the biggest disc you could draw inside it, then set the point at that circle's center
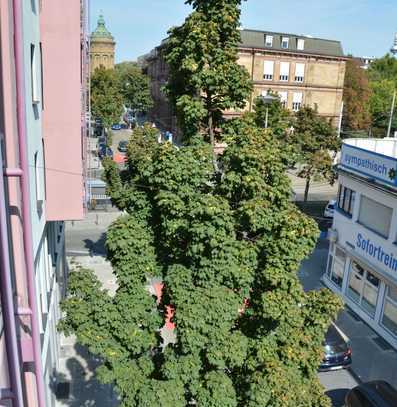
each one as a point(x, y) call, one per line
point(62, 100)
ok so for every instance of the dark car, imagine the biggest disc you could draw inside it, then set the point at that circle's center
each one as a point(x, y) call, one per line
point(104, 151)
point(101, 141)
point(123, 146)
point(372, 394)
point(337, 352)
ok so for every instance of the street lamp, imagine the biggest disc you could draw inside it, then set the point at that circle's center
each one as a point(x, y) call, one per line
point(268, 100)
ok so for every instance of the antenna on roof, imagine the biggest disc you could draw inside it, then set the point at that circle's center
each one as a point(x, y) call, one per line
point(393, 49)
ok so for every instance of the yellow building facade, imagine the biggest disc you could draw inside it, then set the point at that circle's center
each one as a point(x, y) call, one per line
point(102, 48)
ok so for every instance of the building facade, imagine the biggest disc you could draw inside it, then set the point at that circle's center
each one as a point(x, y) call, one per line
point(362, 264)
point(41, 129)
point(304, 71)
point(102, 47)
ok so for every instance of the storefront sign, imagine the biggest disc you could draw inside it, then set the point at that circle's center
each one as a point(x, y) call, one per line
point(375, 251)
point(373, 165)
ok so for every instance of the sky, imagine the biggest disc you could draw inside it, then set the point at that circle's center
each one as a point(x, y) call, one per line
point(365, 27)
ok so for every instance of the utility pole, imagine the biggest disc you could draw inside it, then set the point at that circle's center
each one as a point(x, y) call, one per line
point(391, 114)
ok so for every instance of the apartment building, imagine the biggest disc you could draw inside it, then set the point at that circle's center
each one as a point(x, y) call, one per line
point(362, 264)
point(42, 125)
point(302, 70)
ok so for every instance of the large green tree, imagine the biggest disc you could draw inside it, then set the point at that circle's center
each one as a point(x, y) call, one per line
point(383, 83)
point(134, 86)
point(316, 142)
point(106, 100)
point(356, 97)
point(228, 250)
point(205, 79)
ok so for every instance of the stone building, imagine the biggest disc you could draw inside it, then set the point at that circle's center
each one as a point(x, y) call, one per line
point(102, 47)
point(304, 71)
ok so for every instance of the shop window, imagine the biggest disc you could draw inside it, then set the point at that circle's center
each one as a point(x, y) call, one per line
point(363, 288)
point(389, 318)
point(380, 223)
point(346, 198)
point(336, 267)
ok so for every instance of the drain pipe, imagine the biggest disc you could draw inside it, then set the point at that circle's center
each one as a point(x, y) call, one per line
point(26, 217)
point(7, 302)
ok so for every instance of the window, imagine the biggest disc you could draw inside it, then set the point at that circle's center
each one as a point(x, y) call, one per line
point(284, 71)
point(336, 266)
point(389, 318)
point(33, 74)
point(268, 40)
point(297, 101)
point(283, 98)
point(299, 72)
point(268, 70)
point(381, 222)
point(41, 77)
point(284, 42)
point(37, 178)
point(300, 44)
point(363, 288)
point(346, 198)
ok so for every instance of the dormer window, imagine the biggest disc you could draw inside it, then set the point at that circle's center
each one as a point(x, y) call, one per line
point(284, 42)
point(300, 45)
point(268, 40)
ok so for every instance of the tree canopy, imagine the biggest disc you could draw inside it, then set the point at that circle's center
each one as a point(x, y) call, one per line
point(315, 140)
point(356, 96)
point(205, 79)
point(106, 100)
point(134, 86)
point(228, 251)
point(279, 118)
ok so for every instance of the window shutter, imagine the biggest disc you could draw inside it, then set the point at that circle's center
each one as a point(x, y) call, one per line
point(268, 67)
point(379, 223)
point(298, 97)
point(300, 70)
point(283, 96)
point(284, 68)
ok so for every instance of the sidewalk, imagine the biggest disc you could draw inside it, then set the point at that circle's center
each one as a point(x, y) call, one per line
point(373, 358)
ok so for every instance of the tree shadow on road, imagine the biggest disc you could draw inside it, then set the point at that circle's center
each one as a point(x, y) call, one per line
point(96, 248)
point(78, 387)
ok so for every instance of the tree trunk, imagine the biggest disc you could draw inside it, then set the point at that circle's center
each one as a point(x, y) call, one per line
point(307, 186)
point(212, 140)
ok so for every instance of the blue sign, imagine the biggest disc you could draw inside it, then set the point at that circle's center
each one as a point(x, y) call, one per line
point(371, 164)
point(377, 252)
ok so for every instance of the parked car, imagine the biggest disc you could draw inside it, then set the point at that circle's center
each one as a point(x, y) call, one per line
point(330, 209)
point(104, 151)
point(337, 352)
point(102, 141)
point(116, 126)
point(98, 120)
point(372, 394)
point(123, 146)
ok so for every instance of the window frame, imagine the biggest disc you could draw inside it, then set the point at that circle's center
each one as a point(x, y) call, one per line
point(268, 76)
point(346, 208)
point(284, 40)
point(269, 40)
point(298, 42)
point(34, 75)
point(372, 228)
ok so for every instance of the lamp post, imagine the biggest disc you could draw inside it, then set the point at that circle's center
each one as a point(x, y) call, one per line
point(268, 100)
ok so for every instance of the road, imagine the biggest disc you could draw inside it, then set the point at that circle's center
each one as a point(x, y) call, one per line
point(337, 384)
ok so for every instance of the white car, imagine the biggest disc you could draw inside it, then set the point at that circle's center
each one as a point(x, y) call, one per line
point(330, 209)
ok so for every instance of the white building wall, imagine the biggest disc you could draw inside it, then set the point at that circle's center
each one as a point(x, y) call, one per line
point(350, 237)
